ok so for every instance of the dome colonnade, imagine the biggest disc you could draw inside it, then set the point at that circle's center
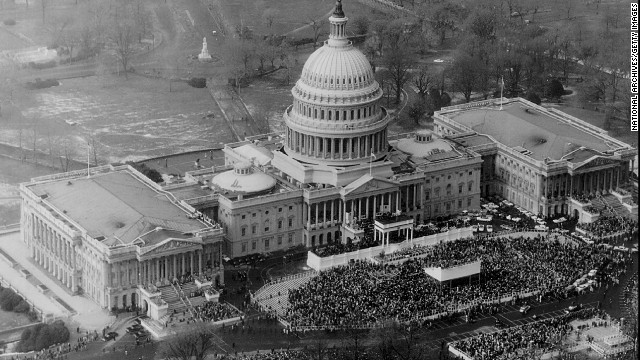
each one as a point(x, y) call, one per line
point(335, 118)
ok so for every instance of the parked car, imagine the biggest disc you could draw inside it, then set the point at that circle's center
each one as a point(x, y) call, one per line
point(489, 228)
point(110, 336)
point(525, 309)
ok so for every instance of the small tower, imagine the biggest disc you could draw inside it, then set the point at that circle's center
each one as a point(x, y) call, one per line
point(204, 54)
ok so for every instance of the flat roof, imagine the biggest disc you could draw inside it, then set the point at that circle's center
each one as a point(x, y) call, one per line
point(116, 205)
point(536, 130)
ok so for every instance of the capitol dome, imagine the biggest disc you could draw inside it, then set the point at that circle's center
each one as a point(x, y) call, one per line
point(336, 118)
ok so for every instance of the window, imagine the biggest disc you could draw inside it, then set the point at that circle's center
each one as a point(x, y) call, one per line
point(449, 190)
point(243, 231)
point(437, 179)
point(460, 188)
point(267, 212)
point(280, 223)
point(468, 201)
point(470, 173)
point(253, 245)
point(244, 247)
point(290, 207)
point(428, 181)
point(449, 177)
point(470, 185)
point(460, 204)
point(280, 240)
point(253, 215)
point(427, 194)
point(436, 208)
point(266, 243)
point(254, 228)
point(291, 222)
point(244, 216)
point(280, 209)
point(290, 239)
point(266, 225)
point(448, 205)
point(436, 192)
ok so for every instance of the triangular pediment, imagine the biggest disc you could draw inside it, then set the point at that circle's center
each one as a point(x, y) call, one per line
point(367, 184)
point(170, 246)
point(597, 161)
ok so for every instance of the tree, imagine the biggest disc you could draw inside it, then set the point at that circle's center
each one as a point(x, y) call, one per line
point(269, 16)
point(568, 6)
point(444, 17)
point(465, 74)
point(398, 63)
point(423, 80)
point(44, 6)
point(361, 25)
point(554, 89)
point(194, 342)
point(534, 98)
point(122, 35)
point(316, 25)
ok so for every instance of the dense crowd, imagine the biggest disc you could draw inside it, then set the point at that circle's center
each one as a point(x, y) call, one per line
point(364, 292)
point(213, 311)
point(508, 343)
point(60, 351)
point(606, 225)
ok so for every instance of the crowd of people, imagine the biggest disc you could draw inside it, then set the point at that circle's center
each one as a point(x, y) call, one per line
point(365, 293)
point(607, 224)
point(212, 311)
point(60, 351)
point(509, 344)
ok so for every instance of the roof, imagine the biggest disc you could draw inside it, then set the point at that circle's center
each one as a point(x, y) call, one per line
point(115, 205)
point(536, 130)
point(261, 154)
point(423, 149)
point(248, 183)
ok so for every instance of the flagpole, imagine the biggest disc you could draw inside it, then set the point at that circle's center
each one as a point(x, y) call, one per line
point(88, 157)
point(501, 90)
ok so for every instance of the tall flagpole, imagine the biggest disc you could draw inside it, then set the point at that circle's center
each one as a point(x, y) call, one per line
point(501, 90)
point(88, 157)
point(373, 156)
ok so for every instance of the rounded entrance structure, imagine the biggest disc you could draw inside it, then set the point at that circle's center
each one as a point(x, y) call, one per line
point(243, 180)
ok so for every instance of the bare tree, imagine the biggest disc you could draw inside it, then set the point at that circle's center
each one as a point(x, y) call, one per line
point(424, 79)
point(269, 16)
point(44, 6)
point(399, 62)
point(316, 26)
point(67, 150)
point(194, 342)
point(122, 36)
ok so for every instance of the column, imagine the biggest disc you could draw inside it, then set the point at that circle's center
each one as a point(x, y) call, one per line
point(367, 205)
point(191, 262)
point(375, 205)
point(200, 261)
point(175, 265)
point(316, 208)
point(397, 207)
point(324, 212)
point(333, 213)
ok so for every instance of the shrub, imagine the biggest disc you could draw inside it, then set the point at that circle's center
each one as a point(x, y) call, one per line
point(554, 88)
point(42, 84)
point(9, 299)
point(45, 65)
point(22, 307)
point(9, 22)
point(197, 82)
point(534, 98)
point(42, 336)
point(152, 174)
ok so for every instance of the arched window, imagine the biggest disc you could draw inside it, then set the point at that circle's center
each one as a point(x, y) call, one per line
point(266, 225)
point(470, 185)
point(448, 189)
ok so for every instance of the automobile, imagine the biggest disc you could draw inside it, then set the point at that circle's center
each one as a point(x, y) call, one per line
point(541, 227)
point(634, 250)
point(474, 228)
point(438, 61)
point(525, 309)
point(507, 227)
point(573, 308)
point(480, 227)
point(110, 336)
point(593, 272)
point(515, 219)
point(489, 228)
point(620, 248)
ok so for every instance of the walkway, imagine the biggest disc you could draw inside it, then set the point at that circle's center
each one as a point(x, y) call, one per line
point(89, 315)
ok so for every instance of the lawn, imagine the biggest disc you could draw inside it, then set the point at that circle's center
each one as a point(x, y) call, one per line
point(9, 320)
point(131, 119)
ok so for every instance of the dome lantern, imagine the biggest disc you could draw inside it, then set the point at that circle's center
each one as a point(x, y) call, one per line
point(338, 22)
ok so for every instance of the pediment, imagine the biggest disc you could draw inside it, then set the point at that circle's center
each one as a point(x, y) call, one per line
point(597, 161)
point(367, 184)
point(170, 246)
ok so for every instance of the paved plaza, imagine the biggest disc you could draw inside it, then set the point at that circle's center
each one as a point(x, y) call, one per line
point(83, 312)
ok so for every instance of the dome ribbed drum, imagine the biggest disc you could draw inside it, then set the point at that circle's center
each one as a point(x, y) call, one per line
point(336, 118)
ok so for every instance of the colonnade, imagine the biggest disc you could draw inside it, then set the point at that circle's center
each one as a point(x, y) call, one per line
point(357, 147)
point(583, 183)
point(54, 251)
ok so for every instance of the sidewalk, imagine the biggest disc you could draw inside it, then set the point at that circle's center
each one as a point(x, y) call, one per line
point(90, 316)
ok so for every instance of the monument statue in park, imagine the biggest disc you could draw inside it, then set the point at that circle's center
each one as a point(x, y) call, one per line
point(204, 54)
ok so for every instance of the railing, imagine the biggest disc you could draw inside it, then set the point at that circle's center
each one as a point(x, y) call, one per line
point(309, 273)
point(182, 297)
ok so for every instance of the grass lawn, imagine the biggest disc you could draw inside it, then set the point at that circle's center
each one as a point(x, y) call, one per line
point(131, 119)
point(10, 319)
